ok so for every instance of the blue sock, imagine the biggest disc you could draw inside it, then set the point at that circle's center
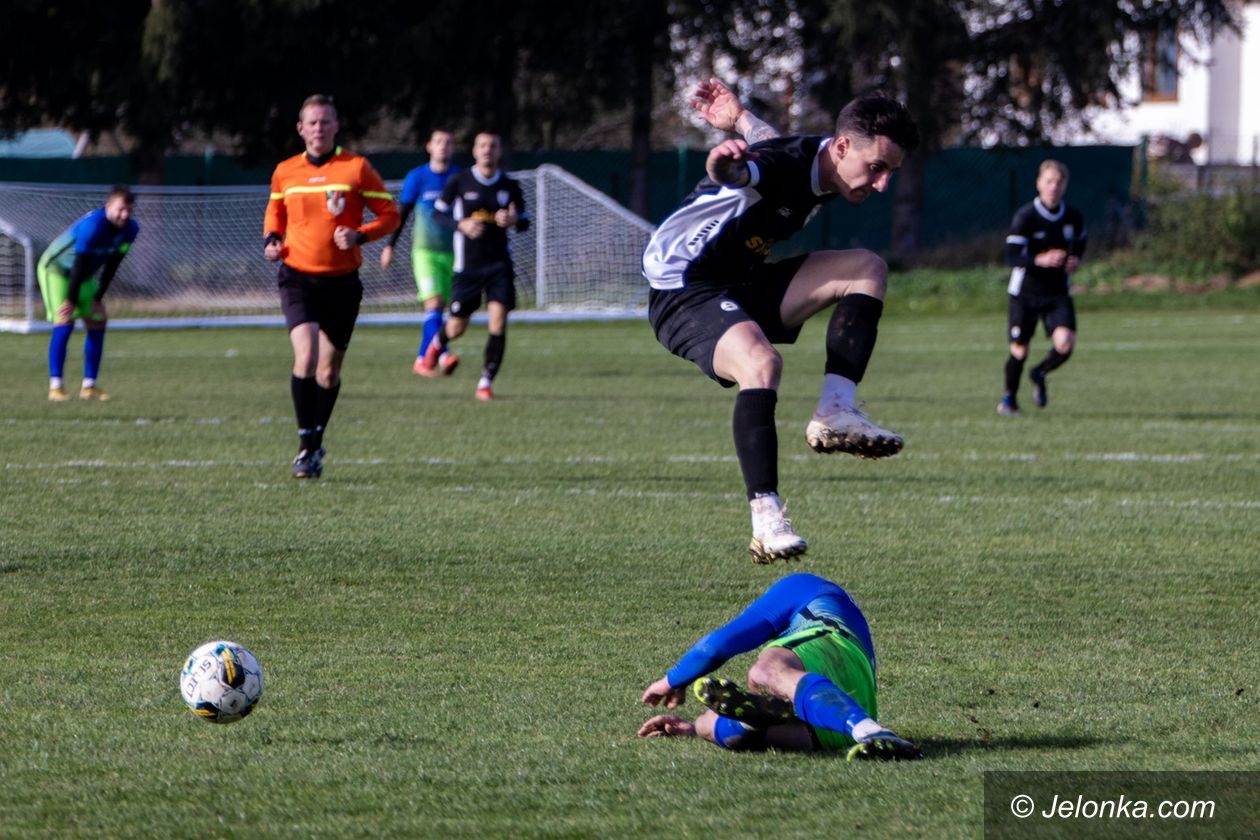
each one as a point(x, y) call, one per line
point(57, 349)
point(432, 323)
point(820, 702)
point(93, 349)
point(730, 734)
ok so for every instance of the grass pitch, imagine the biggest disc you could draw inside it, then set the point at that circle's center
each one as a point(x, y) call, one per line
point(457, 621)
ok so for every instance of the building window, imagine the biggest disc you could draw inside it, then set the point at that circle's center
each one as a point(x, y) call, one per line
point(1159, 67)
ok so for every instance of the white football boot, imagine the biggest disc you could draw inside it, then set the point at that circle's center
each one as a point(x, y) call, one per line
point(773, 535)
point(841, 427)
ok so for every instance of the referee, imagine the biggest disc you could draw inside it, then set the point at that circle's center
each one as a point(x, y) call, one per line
point(314, 227)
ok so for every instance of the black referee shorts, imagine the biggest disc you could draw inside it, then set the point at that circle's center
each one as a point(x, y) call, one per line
point(330, 301)
point(690, 321)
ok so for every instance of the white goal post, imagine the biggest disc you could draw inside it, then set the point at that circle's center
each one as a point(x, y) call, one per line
point(198, 261)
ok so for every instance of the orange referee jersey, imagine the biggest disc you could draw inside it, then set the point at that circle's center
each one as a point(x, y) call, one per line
point(309, 202)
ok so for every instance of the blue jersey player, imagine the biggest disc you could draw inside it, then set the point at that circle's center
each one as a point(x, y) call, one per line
point(432, 252)
point(74, 274)
point(812, 686)
point(717, 302)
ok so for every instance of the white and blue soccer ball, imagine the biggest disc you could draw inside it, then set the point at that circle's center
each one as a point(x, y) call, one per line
point(221, 682)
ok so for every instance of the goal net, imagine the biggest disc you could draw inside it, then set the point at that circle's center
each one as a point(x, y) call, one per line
point(198, 260)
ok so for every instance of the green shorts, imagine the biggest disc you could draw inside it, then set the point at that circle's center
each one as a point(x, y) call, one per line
point(54, 285)
point(433, 270)
point(826, 652)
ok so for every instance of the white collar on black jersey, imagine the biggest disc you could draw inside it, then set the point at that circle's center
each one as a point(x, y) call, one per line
point(813, 170)
point(485, 182)
point(1045, 213)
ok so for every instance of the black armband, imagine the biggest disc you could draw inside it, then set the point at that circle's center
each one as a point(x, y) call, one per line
point(271, 238)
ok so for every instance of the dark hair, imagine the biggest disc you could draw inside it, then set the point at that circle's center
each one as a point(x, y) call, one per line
point(317, 99)
point(121, 191)
point(876, 114)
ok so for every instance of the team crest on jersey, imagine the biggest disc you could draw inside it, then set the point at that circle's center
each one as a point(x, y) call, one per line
point(1069, 231)
point(785, 212)
point(336, 201)
point(729, 305)
point(502, 197)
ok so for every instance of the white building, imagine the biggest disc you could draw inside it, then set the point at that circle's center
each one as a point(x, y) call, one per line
point(1211, 105)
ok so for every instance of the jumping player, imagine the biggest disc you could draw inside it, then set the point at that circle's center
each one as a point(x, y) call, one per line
point(718, 303)
point(480, 204)
point(314, 227)
point(432, 259)
point(811, 688)
point(1044, 247)
point(67, 274)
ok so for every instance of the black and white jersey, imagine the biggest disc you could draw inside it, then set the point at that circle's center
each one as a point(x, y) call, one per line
point(467, 195)
point(1035, 230)
point(720, 234)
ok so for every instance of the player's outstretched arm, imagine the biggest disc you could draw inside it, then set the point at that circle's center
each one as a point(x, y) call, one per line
point(720, 107)
point(662, 692)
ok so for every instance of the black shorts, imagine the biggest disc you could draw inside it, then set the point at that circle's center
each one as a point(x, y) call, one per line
point(496, 282)
point(1053, 311)
point(330, 301)
point(690, 321)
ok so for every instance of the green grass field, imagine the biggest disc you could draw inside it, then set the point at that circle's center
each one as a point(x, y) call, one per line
point(457, 621)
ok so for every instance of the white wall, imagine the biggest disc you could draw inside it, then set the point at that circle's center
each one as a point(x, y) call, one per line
point(1218, 98)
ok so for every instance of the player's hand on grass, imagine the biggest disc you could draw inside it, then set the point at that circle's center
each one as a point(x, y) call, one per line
point(507, 217)
point(387, 256)
point(667, 726)
point(716, 104)
point(345, 237)
point(661, 691)
point(728, 163)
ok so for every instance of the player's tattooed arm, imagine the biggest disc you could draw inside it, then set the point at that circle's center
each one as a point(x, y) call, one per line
point(754, 129)
point(720, 107)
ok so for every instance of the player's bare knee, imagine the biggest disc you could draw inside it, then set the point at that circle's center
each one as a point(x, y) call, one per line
point(875, 272)
point(1019, 351)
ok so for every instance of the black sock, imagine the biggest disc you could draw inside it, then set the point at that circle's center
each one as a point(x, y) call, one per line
point(304, 408)
point(1014, 367)
point(495, 345)
point(1052, 360)
point(851, 335)
point(325, 399)
point(757, 440)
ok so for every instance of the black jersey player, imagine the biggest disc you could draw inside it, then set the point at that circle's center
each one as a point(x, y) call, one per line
point(1045, 245)
point(717, 302)
point(481, 204)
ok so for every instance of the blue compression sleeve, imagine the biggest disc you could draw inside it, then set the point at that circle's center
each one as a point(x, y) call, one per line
point(57, 345)
point(819, 702)
point(763, 620)
point(93, 350)
point(730, 734)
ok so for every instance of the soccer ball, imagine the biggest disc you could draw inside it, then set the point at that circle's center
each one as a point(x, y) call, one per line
point(221, 682)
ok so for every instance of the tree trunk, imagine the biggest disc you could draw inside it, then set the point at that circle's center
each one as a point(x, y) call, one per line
point(645, 52)
point(907, 210)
